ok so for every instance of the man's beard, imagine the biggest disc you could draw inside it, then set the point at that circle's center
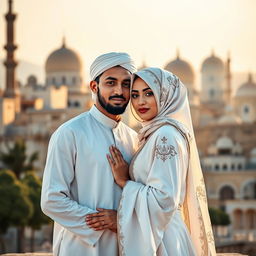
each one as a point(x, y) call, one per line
point(114, 110)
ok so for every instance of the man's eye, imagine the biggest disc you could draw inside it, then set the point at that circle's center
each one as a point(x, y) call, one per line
point(110, 82)
point(126, 85)
point(134, 96)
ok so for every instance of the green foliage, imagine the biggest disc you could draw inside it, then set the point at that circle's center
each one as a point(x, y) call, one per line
point(16, 208)
point(219, 217)
point(34, 185)
point(16, 158)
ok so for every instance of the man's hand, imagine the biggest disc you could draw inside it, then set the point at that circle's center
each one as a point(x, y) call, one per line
point(103, 219)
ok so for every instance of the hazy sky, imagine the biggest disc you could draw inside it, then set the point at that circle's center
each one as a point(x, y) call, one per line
point(149, 30)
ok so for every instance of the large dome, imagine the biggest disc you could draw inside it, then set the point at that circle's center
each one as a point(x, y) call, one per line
point(63, 59)
point(182, 69)
point(247, 89)
point(213, 63)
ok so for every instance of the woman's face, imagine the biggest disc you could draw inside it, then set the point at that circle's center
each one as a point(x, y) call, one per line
point(143, 100)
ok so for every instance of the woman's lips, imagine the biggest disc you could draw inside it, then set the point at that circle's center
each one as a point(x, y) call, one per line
point(143, 110)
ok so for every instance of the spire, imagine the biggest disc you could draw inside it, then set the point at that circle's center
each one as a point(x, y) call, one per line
point(63, 42)
point(213, 53)
point(177, 53)
point(10, 6)
point(228, 79)
point(250, 79)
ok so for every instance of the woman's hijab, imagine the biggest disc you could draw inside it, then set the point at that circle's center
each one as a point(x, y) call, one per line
point(173, 109)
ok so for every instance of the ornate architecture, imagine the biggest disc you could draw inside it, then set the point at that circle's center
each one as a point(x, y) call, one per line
point(224, 121)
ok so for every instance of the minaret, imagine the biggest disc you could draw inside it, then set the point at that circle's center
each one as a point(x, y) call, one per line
point(228, 92)
point(11, 89)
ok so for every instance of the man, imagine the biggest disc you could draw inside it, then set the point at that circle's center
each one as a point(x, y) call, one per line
point(77, 178)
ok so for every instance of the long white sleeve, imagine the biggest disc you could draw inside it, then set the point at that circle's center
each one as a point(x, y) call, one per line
point(57, 201)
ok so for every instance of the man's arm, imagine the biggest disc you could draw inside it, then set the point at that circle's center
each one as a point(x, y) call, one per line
point(56, 200)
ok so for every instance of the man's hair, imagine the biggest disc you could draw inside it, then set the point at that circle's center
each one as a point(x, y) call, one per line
point(97, 79)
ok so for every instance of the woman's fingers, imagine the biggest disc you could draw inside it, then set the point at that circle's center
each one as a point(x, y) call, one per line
point(111, 161)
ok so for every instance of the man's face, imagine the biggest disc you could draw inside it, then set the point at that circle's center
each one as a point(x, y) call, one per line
point(114, 90)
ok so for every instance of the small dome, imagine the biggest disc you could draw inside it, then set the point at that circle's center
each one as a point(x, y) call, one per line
point(247, 89)
point(63, 59)
point(32, 80)
point(213, 63)
point(224, 143)
point(182, 69)
point(229, 117)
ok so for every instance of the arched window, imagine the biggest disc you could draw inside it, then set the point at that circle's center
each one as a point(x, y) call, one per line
point(217, 167)
point(238, 219)
point(224, 167)
point(232, 167)
point(227, 193)
point(246, 109)
point(77, 104)
point(63, 80)
point(212, 93)
point(239, 167)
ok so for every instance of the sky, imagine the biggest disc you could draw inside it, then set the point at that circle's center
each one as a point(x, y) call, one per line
point(149, 30)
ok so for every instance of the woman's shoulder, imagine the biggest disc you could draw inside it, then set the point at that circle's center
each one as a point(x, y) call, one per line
point(168, 132)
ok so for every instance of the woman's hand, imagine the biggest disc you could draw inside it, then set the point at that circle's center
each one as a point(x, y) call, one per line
point(103, 219)
point(119, 166)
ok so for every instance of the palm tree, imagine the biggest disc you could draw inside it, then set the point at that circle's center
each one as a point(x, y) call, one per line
point(16, 159)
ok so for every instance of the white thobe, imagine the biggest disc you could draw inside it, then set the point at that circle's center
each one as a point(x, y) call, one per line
point(78, 179)
point(149, 217)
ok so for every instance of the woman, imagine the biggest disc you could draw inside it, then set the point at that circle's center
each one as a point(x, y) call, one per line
point(163, 210)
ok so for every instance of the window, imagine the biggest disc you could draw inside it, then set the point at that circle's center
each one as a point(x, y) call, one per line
point(227, 193)
point(212, 93)
point(217, 167)
point(246, 109)
point(63, 80)
point(224, 167)
point(73, 79)
point(239, 167)
point(53, 80)
point(77, 104)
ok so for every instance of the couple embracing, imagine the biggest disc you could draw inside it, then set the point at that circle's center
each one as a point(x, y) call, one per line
point(113, 192)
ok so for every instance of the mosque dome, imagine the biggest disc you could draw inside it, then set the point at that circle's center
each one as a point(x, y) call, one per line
point(213, 63)
point(224, 142)
point(229, 117)
point(182, 69)
point(247, 89)
point(62, 60)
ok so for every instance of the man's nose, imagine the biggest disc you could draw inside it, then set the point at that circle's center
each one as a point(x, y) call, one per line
point(118, 89)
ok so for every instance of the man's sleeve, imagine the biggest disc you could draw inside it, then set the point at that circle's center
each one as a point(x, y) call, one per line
point(56, 200)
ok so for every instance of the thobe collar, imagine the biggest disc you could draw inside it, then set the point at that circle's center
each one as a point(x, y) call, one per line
point(100, 117)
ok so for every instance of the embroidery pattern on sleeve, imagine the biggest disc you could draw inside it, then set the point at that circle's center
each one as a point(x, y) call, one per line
point(165, 151)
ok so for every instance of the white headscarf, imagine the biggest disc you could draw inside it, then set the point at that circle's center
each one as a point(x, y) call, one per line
point(173, 109)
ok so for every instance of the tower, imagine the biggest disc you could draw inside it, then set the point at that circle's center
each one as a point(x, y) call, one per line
point(10, 102)
point(11, 89)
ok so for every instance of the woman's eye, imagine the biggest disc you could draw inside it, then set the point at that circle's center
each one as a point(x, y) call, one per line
point(149, 94)
point(134, 96)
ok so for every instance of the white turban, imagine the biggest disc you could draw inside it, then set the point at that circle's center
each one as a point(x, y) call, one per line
point(110, 60)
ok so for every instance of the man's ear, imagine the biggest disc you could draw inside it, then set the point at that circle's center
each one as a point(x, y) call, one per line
point(94, 86)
